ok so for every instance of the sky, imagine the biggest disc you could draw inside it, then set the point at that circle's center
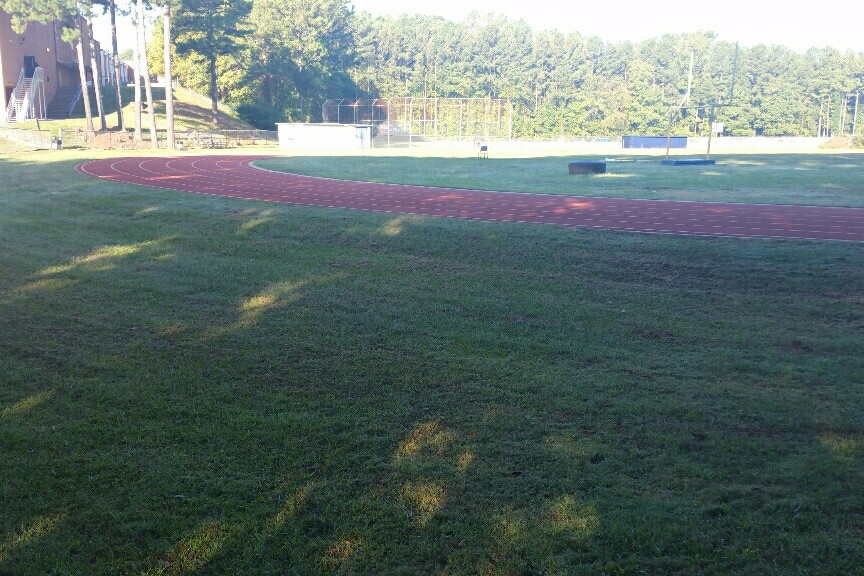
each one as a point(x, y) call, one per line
point(749, 22)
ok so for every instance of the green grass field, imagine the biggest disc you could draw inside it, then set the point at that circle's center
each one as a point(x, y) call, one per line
point(196, 385)
point(814, 179)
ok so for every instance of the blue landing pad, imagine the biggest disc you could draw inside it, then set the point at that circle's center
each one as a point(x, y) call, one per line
point(688, 162)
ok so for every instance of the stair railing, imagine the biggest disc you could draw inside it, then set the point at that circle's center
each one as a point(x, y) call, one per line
point(12, 108)
point(74, 102)
point(28, 102)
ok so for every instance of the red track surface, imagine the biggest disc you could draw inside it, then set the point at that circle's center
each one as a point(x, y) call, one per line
point(234, 177)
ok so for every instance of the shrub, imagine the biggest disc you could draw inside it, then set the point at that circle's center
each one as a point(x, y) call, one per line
point(259, 115)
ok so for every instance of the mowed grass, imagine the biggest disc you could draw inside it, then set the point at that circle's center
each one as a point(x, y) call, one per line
point(809, 179)
point(196, 385)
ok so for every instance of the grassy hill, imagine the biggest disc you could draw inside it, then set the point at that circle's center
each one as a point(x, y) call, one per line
point(191, 112)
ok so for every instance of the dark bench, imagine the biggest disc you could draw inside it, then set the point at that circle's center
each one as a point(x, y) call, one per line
point(587, 167)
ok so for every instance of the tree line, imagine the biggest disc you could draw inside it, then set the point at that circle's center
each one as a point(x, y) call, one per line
point(292, 55)
point(277, 60)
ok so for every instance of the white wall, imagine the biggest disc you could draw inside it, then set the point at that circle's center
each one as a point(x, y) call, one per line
point(325, 136)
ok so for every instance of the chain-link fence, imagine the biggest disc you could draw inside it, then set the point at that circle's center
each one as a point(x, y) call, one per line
point(184, 139)
point(21, 140)
point(226, 138)
point(403, 121)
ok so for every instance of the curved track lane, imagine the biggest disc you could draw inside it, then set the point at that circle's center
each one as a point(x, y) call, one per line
point(235, 177)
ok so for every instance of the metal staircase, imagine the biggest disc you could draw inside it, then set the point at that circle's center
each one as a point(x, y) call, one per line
point(28, 98)
point(63, 102)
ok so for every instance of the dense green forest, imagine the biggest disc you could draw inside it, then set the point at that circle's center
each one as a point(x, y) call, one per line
point(287, 57)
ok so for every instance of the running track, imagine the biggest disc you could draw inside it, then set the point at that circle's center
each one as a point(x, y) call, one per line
point(235, 177)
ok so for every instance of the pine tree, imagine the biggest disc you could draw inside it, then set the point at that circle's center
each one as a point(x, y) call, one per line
point(211, 28)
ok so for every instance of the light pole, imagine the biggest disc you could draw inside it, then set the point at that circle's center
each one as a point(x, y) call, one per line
point(855, 113)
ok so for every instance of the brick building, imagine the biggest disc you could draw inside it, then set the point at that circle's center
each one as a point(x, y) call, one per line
point(21, 58)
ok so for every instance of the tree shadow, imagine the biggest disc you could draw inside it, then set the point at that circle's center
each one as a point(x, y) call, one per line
point(29, 534)
point(296, 389)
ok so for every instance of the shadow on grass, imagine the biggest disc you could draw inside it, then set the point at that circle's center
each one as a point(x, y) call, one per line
point(26, 404)
point(250, 310)
point(100, 259)
point(194, 552)
point(30, 534)
point(416, 395)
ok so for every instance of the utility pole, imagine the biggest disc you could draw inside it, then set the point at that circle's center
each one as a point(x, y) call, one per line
point(710, 131)
point(673, 112)
point(844, 102)
point(689, 78)
point(828, 117)
point(855, 114)
point(819, 124)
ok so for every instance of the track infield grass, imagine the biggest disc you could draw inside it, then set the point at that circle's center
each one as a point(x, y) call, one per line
point(808, 179)
point(193, 385)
